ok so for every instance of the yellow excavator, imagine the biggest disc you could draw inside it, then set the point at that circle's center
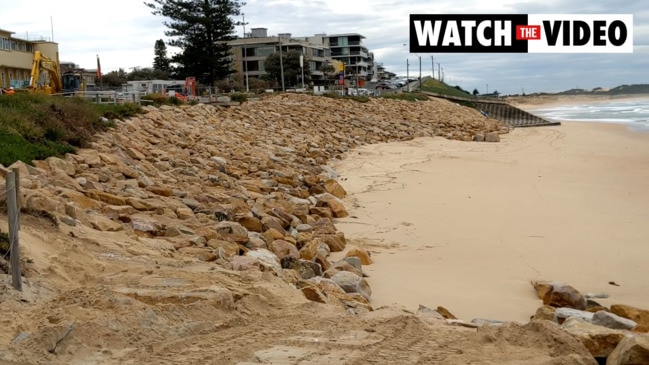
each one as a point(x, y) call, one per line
point(55, 83)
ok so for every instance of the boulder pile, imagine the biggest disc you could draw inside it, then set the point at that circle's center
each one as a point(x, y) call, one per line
point(247, 187)
point(619, 333)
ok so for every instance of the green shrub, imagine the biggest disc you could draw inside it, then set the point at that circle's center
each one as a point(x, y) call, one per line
point(119, 111)
point(332, 95)
point(360, 99)
point(4, 243)
point(239, 97)
point(157, 99)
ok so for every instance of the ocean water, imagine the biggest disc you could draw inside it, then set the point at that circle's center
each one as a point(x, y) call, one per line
point(634, 113)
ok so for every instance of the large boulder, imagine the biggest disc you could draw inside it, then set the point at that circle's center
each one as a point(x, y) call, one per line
point(332, 187)
point(232, 230)
point(561, 295)
point(283, 248)
point(611, 320)
point(335, 204)
point(632, 350)
point(640, 316)
point(352, 283)
point(600, 341)
point(362, 253)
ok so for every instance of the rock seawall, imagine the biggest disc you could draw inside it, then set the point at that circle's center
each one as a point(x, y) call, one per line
point(247, 186)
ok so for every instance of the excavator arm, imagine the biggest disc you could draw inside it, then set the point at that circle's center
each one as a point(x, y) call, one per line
point(41, 63)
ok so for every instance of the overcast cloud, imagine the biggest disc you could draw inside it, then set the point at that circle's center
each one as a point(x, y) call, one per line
point(123, 33)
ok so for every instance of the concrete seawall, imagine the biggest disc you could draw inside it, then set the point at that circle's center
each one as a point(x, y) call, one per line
point(501, 110)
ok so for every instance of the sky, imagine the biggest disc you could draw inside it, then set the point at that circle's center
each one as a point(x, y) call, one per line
point(123, 34)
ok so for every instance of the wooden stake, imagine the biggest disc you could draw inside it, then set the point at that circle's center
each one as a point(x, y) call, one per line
point(16, 172)
point(14, 247)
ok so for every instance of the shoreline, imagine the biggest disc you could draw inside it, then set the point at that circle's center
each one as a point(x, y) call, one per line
point(536, 107)
point(551, 99)
point(468, 225)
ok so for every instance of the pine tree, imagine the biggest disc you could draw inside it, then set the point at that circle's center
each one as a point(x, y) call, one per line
point(161, 62)
point(201, 29)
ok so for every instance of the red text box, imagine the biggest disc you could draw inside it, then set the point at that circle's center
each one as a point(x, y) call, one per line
point(527, 32)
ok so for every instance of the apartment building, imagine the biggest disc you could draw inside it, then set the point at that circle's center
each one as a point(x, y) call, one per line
point(257, 45)
point(17, 56)
point(348, 48)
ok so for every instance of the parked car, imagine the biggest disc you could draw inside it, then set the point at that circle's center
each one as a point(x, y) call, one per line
point(360, 91)
point(385, 85)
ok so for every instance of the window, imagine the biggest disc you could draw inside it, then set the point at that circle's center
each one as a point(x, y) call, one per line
point(252, 65)
point(263, 51)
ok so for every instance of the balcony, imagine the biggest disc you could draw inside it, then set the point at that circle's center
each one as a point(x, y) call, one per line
point(358, 53)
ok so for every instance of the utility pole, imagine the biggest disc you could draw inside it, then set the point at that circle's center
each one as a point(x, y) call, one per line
point(439, 73)
point(419, 72)
point(357, 77)
point(281, 62)
point(245, 65)
point(432, 62)
point(302, 67)
point(408, 74)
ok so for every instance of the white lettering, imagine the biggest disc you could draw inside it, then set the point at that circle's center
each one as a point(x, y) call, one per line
point(484, 41)
point(427, 33)
point(468, 31)
point(452, 35)
point(502, 32)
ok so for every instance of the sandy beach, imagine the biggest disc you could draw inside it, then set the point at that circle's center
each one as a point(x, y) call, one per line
point(468, 225)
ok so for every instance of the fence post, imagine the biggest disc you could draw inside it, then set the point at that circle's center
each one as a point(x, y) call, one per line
point(16, 172)
point(14, 247)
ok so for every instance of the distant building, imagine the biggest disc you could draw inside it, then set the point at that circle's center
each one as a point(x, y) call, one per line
point(17, 56)
point(150, 86)
point(348, 48)
point(258, 45)
point(320, 50)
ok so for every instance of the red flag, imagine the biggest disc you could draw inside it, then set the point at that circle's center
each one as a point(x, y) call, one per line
point(98, 68)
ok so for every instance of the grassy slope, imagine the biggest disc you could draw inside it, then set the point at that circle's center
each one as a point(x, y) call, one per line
point(36, 126)
point(435, 86)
